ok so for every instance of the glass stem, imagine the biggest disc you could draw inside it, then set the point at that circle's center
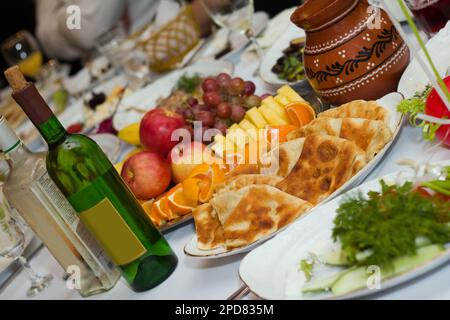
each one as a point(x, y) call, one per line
point(33, 276)
point(251, 36)
point(38, 283)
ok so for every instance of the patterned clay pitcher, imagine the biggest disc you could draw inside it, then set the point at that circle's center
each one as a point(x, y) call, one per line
point(353, 50)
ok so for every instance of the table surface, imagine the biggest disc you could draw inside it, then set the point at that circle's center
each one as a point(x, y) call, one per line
point(218, 279)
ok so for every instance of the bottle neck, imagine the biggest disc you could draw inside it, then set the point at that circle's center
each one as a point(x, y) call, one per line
point(8, 138)
point(41, 115)
point(10, 144)
point(52, 131)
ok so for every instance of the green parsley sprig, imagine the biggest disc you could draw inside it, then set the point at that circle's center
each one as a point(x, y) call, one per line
point(387, 223)
point(416, 104)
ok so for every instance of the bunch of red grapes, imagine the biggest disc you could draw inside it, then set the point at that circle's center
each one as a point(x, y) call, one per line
point(225, 102)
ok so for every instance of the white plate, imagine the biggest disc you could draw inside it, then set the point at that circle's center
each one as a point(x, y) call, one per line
point(414, 78)
point(389, 102)
point(136, 105)
point(276, 52)
point(265, 269)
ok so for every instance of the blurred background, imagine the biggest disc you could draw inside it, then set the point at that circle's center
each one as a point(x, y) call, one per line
point(21, 15)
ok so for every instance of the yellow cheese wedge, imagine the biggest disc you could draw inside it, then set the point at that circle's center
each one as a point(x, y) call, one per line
point(235, 126)
point(282, 99)
point(291, 94)
point(255, 117)
point(272, 117)
point(222, 146)
point(238, 136)
point(276, 108)
point(247, 125)
point(250, 129)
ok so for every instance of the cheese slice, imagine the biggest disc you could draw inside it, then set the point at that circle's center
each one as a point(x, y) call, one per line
point(256, 118)
point(291, 94)
point(282, 99)
point(272, 117)
point(250, 129)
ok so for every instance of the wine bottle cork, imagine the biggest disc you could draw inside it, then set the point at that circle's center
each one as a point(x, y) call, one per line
point(16, 79)
point(27, 97)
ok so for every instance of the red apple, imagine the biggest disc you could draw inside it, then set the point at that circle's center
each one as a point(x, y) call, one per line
point(146, 174)
point(185, 157)
point(156, 130)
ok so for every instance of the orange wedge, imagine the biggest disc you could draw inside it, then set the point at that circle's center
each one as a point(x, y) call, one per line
point(200, 170)
point(162, 209)
point(156, 218)
point(208, 176)
point(178, 204)
point(218, 174)
point(206, 190)
point(300, 113)
point(283, 131)
point(191, 190)
point(150, 209)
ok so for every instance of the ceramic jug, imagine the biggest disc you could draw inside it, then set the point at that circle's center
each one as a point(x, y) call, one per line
point(352, 51)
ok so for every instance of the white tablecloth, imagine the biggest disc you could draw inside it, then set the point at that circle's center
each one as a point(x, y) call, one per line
point(218, 279)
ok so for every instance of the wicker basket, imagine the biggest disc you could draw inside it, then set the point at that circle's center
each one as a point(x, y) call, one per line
point(170, 45)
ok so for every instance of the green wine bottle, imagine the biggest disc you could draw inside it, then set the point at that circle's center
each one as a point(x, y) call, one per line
point(98, 194)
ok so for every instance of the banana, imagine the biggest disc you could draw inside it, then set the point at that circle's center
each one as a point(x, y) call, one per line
point(130, 134)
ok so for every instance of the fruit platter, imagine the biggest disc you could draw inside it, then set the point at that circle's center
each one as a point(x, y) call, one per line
point(308, 161)
point(214, 117)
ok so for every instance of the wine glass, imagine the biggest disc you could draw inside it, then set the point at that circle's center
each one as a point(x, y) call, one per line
point(110, 44)
point(235, 15)
point(431, 14)
point(12, 246)
point(22, 49)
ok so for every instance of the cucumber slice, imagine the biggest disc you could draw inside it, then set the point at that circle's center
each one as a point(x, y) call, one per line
point(322, 284)
point(357, 278)
point(363, 255)
point(334, 258)
point(422, 242)
point(424, 255)
point(353, 280)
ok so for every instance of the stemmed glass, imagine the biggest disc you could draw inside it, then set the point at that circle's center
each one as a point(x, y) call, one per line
point(12, 246)
point(235, 15)
point(22, 49)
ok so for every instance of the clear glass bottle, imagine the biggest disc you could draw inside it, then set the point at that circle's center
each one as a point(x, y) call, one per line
point(30, 190)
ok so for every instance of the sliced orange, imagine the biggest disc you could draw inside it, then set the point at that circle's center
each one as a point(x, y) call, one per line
point(173, 190)
point(150, 210)
point(178, 204)
point(156, 218)
point(163, 209)
point(218, 174)
point(209, 176)
point(300, 113)
point(200, 170)
point(191, 190)
point(206, 190)
point(283, 131)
